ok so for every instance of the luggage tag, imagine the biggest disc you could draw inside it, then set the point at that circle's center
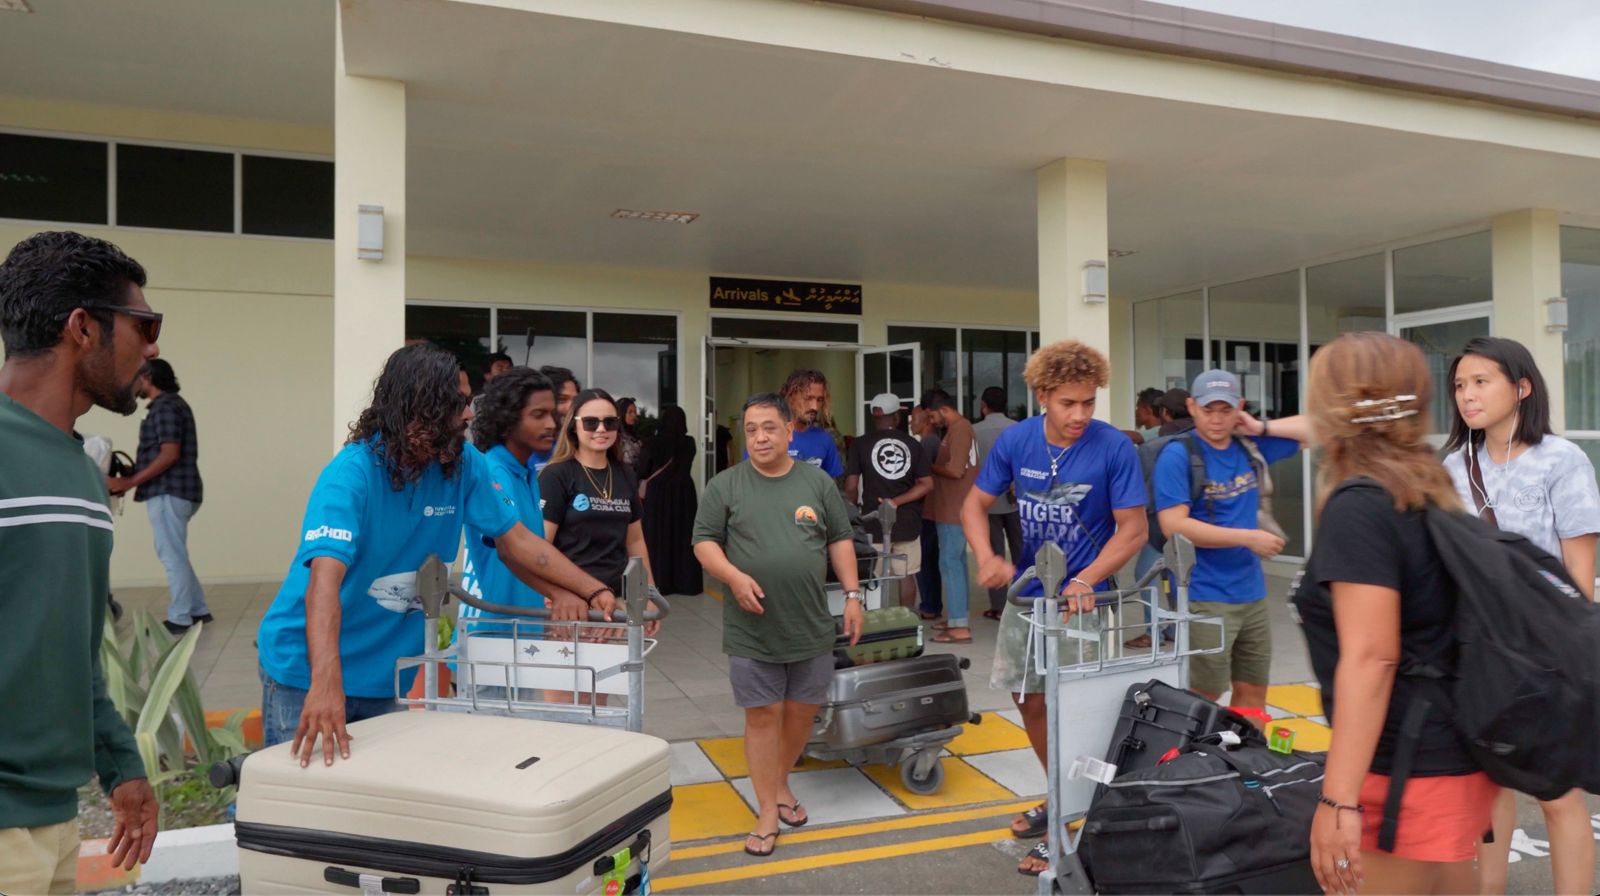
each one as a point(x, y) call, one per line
point(616, 880)
point(1281, 740)
point(1097, 770)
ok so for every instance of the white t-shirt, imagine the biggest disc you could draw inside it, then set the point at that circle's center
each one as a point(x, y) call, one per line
point(1545, 494)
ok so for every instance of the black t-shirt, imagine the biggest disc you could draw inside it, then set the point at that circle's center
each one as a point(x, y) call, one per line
point(889, 464)
point(1362, 539)
point(592, 529)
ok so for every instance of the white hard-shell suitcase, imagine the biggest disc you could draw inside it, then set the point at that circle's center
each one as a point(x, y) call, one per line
point(433, 802)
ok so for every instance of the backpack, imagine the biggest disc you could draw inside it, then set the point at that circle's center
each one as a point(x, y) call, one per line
point(1151, 450)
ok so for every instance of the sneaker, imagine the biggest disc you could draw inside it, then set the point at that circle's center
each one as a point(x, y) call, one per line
point(1139, 643)
point(174, 627)
point(204, 617)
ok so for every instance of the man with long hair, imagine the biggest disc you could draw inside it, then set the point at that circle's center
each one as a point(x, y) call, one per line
point(806, 392)
point(166, 479)
point(398, 491)
point(78, 333)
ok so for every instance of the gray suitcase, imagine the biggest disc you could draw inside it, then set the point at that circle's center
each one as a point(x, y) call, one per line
point(881, 702)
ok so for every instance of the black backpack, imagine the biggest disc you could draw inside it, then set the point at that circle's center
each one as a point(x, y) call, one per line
point(1149, 451)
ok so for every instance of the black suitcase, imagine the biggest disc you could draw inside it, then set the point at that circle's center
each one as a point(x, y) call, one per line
point(1157, 718)
point(1208, 821)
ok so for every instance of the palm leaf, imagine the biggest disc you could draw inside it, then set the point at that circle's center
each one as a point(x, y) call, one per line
point(164, 683)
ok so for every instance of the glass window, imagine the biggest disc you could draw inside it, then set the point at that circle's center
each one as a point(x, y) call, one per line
point(1580, 283)
point(178, 189)
point(938, 355)
point(994, 358)
point(786, 329)
point(1255, 329)
point(538, 338)
point(461, 330)
point(1443, 274)
point(636, 355)
point(1166, 332)
point(288, 197)
point(48, 179)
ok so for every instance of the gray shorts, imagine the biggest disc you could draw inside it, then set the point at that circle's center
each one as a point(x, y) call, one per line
point(760, 683)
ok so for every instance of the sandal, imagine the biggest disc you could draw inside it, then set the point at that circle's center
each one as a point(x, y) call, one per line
point(1040, 851)
point(945, 637)
point(928, 616)
point(992, 614)
point(764, 838)
point(794, 810)
point(1038, 822)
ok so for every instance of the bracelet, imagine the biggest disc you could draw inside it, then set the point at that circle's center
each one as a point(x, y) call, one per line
point(1080, 582)
point(1324, 800)
point(596, 593)
point(1263, 427)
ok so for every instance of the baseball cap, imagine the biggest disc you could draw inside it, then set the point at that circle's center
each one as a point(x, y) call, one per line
point(1217, 385)
point(885, 403)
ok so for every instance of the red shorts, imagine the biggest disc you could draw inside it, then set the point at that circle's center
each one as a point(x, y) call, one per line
point(1441, 819)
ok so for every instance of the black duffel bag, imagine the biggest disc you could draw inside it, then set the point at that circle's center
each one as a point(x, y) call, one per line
point(1207, 821)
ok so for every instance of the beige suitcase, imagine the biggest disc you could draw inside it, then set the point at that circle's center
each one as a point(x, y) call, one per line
point(433, 802)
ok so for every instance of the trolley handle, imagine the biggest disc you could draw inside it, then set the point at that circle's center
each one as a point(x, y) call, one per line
point(434, 589)
point(620, 614)
point(1102, 598)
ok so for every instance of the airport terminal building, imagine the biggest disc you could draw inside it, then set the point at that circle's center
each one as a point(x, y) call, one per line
point(682, 200)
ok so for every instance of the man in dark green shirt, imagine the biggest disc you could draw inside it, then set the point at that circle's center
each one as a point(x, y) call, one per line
point(764, 529)
point(77, 333)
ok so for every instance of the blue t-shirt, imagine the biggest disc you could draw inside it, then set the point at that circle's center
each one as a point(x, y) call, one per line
point(815, 446)
point(483, 574)
point(1223, 575)
point(1098, 474)
point(538, 461)
point(381, 535)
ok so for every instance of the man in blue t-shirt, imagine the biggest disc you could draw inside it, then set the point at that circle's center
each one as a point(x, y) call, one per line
point(1230, 534)
point(806, 391)
point(1078, 485)
point(398, 491)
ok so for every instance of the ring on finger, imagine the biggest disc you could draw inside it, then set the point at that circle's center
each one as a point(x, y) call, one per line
point(1342, 864)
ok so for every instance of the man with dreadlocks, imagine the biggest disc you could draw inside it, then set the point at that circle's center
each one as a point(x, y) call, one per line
point(398, 491)
point(806, 392)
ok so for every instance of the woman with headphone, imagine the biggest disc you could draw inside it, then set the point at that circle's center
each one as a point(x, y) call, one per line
point(1513, 472)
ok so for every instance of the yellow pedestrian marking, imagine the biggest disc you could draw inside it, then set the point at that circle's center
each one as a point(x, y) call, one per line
point(685, 853)
point(963, 786)
point(727, 754)
point(702, 811)
point(773, 868)
point(1299, 699)
point(993, 735)
point(1308, 735)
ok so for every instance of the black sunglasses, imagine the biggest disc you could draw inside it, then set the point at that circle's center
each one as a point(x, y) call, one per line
point(590, 424)
point(148, 322)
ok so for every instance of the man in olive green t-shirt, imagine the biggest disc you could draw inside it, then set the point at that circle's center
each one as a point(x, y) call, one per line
point(764, 529)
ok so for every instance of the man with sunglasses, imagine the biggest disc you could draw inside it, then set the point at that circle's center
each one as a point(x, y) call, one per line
point(77, 334)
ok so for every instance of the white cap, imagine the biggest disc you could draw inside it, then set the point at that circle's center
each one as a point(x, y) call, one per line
point(885, 403)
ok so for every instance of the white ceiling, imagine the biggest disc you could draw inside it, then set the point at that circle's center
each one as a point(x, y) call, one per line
point(526, 131)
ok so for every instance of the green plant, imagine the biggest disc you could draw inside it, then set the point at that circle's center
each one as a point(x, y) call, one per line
point(156, 693)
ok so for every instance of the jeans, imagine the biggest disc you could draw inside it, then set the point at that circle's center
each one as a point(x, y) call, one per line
point(953, 569)
point(1005, 532)
point(281, 706)
point(169, 522)
point(1163, 585)
point(928, 581)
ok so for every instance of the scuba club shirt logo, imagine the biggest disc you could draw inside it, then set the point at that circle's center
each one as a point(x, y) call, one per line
point(580, 502)
point(1051, 515)
point(890, 459)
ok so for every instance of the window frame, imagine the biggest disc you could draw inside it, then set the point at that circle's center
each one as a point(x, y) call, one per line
point(1031, 341)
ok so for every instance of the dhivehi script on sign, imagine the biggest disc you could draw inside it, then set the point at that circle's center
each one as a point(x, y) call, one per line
point(785, 295)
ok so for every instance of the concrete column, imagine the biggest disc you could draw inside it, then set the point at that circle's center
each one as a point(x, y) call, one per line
point(369, 296)
point(1072, 231)
point(1527, 271)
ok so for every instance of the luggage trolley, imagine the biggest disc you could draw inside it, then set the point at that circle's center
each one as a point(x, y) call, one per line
point(519, 659)
point(1087, 677)
point(904, 716)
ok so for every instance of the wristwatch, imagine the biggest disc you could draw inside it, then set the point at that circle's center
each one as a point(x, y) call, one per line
point(852, 595)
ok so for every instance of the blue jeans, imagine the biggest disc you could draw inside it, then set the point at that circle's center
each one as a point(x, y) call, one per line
point(953, 569)
point(281, 706)
point(1148, 557)
point(169, 522)
point(928, 578)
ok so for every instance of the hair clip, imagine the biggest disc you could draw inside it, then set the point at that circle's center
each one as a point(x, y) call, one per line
point(1388, 409)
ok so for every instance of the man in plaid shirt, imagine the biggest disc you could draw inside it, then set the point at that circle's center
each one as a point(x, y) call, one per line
point(167, 479)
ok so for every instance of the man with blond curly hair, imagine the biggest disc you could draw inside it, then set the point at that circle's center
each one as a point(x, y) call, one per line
point(1078, 485)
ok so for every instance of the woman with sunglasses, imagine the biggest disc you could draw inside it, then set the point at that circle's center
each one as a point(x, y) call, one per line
point(591, 498)
point(1512, 471)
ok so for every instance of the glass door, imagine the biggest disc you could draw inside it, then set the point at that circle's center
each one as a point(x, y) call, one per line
point(892, 368)
point(1440, 335)
point(709, 453)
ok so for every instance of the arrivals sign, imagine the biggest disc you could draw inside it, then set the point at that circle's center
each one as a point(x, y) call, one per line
point(785, 295)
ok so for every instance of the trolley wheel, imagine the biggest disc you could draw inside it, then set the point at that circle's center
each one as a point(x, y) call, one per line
point(924, 785)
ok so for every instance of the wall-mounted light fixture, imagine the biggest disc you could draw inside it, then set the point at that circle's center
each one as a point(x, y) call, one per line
point(1555, 314)
point(1094, 282)
point(369, 232)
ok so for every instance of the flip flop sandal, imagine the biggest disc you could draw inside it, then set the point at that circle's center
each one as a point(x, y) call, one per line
point(793, 810)
point(928, 616)
point(1040, 851)
point(763, 837)
point(946, 638)
point(992, 614)
point(1038, 823)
